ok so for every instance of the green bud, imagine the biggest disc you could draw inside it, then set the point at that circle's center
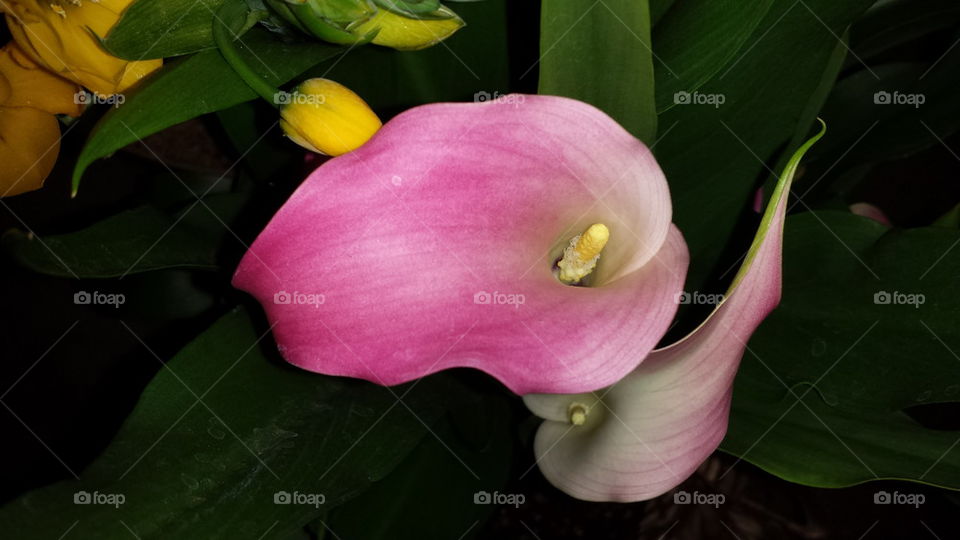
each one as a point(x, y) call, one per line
point(400, 24)
point(410, 8)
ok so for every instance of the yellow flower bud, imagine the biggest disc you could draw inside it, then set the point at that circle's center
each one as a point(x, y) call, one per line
point(407, 34)
point(326, 117)
point(59, 35)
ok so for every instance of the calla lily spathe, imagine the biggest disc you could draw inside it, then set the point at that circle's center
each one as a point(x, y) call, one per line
point(647, 433)
point(433, 246)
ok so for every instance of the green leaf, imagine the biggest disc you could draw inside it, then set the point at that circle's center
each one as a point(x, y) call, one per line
point(870, 132)
point(267, 158)
point(600, 53)
point(893, 23)
point(821, 398)
point(810, 114)
point(950, 220)
point(449, 471)
point(696, 39)
point(131, 242)
point(200, 84)
point(221, 430)
point(164, 28)
point(715, 156)
point(818, 97)
point(659, 8)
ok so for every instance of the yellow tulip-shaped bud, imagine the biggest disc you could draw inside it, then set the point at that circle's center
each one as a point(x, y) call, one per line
point(326, 117)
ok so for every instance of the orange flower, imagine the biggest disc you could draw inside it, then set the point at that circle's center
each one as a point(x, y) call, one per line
point(59, 34)
point(30, 97)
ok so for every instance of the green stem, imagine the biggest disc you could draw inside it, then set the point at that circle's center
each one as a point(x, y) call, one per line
point(223, 37)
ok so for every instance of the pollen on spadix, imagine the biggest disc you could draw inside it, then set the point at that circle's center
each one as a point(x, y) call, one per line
point(581, 256)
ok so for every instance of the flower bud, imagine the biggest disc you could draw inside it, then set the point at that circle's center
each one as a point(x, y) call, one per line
point(326, 117)
point(400, 24)
point(409, 34)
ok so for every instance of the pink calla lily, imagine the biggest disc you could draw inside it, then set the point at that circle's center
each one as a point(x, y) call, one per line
point(433, 246)
point(647, 433)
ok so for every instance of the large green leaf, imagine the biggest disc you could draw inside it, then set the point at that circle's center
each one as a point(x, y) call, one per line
point(659, 8)
point(196, 85)
point(695, 39)
point(893, 23)
point(888, 112)
point(811, 113)
point(820, 398)
point(600, 53)
point(714, 156)
point(165, 28)
point(131, 242)
point(218, 433)
point(450, 472)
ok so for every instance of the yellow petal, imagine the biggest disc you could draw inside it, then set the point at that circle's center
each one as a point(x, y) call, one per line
point(58, 35)
point(326, 117)
point(29, 144)
point(409, 34)
point(26, 84)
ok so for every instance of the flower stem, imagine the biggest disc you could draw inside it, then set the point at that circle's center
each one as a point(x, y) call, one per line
point(223, 37)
